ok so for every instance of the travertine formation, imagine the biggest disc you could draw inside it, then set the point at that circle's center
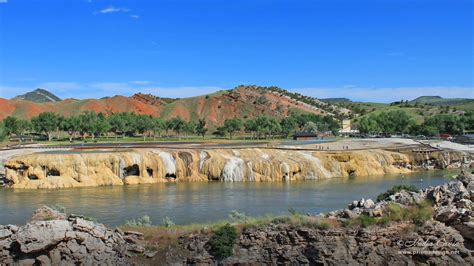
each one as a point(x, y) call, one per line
point(118, 167)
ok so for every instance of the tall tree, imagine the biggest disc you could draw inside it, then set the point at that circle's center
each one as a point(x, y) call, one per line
point(118, 124)
point(201, 128)
point(177, 124)
point(144, 125)
point(189, 128)
point(288, 125)
point(232, 125)
point(2, 132)
point(71, 125)
point(46, 123)
point(311, 127)
point(88, 124)
point(102, 125)
point(11, 126)
point(158, 125)
point(250, 125)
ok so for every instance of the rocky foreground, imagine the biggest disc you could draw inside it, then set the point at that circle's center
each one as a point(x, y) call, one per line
point(445, 238)
point(366, 232)
point(53, 238)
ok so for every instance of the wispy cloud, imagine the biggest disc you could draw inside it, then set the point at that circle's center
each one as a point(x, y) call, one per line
point(141, 82)
point(135, 16)
point(3, 1)
point(112, 9)
point(61, 86)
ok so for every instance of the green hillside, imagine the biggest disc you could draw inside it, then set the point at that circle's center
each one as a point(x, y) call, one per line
point(437, 100)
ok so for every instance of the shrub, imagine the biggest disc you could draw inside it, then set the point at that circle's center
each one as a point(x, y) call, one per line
point(395, 189)
point(281, 220)
point(143, 221)
point(167, 222)
point(396, 212)
point(238, 217)
point(293, 212)
point(222, 241)
point(366, 221)
point(58, 207)
point(321, 225)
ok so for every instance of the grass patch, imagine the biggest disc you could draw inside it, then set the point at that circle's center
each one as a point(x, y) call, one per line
point(144, 221)
point(422, 213)
point(417, 214)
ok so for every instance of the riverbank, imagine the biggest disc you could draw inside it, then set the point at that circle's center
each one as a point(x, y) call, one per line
point(432, 226)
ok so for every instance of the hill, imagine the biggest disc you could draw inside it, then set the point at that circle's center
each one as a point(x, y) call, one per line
point(38, 96)
point(336, 100)
point(438, 100)
point(240, 102)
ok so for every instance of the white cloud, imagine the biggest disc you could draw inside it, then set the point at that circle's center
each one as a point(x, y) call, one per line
point(141, 82)
point(12, 91)
point(60, 86)
point(3, 1)
point(135, 16)
point(112, 9)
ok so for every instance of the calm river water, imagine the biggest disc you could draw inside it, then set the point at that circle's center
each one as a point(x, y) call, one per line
point(187, 203)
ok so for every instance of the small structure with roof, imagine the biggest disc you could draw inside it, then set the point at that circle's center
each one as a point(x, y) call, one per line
point(305, 135)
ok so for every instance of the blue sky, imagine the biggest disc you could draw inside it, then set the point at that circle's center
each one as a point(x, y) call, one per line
point(364, 50)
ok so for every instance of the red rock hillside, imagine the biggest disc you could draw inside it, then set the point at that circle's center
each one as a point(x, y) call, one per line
point(241, 102)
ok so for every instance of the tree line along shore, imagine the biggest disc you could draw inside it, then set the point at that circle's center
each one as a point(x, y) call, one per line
point(89, 124)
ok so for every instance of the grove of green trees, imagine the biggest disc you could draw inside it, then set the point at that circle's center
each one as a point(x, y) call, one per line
point(92, 125)
point(401, 122)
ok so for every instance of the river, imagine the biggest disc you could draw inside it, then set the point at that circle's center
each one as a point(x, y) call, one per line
point(199, 202)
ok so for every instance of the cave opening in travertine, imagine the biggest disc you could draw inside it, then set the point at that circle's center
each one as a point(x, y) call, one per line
point(52, 172)
point(170, 176)
point(149, 172)
point(33, 177)
point(133, 170)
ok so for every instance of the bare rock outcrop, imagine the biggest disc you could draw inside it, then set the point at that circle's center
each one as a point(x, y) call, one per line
point(63, 239)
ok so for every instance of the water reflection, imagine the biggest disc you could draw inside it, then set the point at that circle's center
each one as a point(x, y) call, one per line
point(196, 202)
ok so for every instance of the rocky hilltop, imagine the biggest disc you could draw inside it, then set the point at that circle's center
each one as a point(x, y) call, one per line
point(38, 96)
point(434, 226)
point(63, 169)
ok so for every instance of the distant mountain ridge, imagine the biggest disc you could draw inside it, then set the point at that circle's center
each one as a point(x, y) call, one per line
point(336, 100)
point(244, 101)
point(438, 100)
point(38, 96)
